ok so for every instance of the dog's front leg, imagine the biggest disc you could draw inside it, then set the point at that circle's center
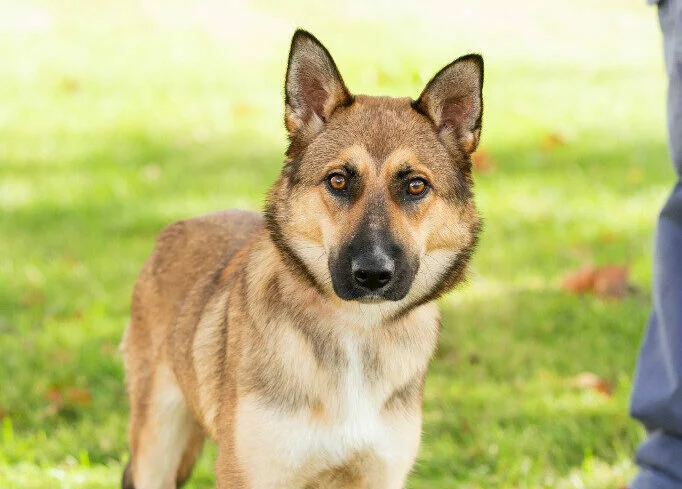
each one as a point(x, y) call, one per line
point(227, 470)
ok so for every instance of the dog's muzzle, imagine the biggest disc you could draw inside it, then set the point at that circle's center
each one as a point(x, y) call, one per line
point(371, 266)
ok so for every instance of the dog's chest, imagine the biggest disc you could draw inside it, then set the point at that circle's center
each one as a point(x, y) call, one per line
point(344, 421)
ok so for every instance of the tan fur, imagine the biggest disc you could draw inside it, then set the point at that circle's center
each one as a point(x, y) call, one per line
point(236, 332)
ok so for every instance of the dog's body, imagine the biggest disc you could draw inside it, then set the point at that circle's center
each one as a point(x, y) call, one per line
point(299, 341)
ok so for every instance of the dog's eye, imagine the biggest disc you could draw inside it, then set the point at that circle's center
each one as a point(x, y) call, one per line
point(337, 182)
point(417, 187)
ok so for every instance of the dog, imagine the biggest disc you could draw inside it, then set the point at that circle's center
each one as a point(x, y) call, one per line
point(299, 339)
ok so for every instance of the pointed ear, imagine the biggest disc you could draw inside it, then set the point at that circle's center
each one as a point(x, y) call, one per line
point(453, 101)
point(314, 87)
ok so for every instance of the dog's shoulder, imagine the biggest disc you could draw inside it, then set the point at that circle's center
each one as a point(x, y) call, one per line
point(191, 248)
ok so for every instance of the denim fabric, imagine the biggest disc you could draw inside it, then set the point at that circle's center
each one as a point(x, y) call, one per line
point(657, 394)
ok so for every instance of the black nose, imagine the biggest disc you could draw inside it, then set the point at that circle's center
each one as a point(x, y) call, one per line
point(372, 274)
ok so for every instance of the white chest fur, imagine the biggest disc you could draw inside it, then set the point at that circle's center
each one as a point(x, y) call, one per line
point(288, 451)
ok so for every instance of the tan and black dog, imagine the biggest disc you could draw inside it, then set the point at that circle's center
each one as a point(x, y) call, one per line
point(299, 340)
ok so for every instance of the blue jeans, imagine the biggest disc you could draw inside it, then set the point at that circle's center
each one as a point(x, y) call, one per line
point(657, 395)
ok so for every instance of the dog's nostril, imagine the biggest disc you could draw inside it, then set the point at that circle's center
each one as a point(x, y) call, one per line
point(361, 276)
point(384, 277)
point(372, 279)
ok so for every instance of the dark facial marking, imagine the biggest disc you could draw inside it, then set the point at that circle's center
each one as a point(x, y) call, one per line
point(291, 259)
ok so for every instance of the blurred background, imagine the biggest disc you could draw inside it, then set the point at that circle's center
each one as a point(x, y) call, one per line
point(119, 117)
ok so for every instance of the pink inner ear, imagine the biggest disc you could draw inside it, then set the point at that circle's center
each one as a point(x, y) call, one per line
point(457, 112)
point(314, 97)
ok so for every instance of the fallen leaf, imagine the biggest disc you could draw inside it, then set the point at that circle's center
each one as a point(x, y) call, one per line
point(79, 396)
point(53, 395)
point(482, 162)
point(611, 282)
point(607, 237)
point(55, 402)
point(65, 400)
point(580, 281)
point(591, 381)
point(552, 140)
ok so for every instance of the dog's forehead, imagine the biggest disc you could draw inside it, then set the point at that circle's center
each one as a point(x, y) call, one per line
point(383, 125)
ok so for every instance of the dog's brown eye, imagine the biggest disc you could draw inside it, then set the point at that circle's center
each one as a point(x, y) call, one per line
point(337, 182)
point(417, 186)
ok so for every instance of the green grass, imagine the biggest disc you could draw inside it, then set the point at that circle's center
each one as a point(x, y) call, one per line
point(118, 118)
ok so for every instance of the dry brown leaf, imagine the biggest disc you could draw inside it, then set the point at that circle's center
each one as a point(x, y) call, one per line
point(63, 399)
point(580, 281)
point(591, 381)
point(552, 140)
point(481, 161)
point(607, 237)
point(53, 395)
point(78, 396)
point(611, 282)
point(55, 402)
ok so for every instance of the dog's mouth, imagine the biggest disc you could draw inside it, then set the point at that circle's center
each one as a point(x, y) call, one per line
point(348, 291)
point(371, 299)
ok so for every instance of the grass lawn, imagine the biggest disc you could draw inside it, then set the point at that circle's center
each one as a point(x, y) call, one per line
point(119, 117)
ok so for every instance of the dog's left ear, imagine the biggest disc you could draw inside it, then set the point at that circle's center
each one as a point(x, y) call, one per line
point(314, 88)
point(454, 103)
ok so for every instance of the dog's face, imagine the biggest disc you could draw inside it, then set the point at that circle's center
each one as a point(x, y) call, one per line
point(375, 200)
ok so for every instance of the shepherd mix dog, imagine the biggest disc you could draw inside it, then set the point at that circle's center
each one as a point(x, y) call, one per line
point(299, 339)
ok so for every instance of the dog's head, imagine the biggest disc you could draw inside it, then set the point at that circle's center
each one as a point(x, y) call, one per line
point(375, 199)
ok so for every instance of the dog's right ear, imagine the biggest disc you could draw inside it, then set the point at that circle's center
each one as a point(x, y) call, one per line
point(314, 88)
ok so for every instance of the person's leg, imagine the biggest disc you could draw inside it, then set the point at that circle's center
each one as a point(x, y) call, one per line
point(657, 395)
